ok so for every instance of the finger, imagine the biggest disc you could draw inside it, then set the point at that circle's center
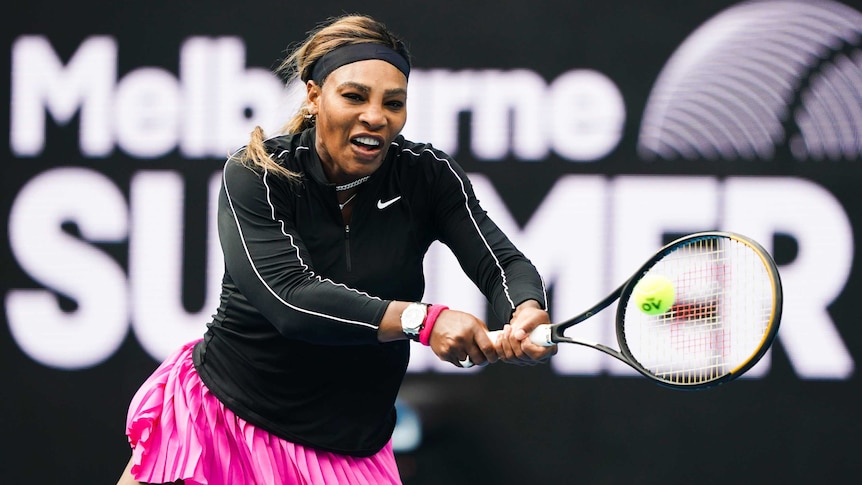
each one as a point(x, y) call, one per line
point(487, 346)
point(485, 343)
point(539, 353)
point(476, 356)
point(519, 355)
point(505, 343)
point(514, 353)
point(519, 333)
point(469, 361)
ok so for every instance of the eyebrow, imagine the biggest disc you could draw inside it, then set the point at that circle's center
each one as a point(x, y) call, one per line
point(367, 89)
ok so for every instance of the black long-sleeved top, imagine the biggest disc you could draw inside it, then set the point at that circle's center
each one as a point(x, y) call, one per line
point(293, 346)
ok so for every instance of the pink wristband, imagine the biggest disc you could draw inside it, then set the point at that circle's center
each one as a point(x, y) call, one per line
point(428, 326)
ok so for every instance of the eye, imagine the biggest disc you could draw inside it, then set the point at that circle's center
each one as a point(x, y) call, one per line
point(396, 105)
point(353, 96)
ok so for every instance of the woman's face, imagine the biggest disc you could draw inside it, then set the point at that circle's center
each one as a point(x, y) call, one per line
point(360, 109)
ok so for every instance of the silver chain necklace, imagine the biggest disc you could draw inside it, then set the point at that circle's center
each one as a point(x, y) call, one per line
point(355, 183)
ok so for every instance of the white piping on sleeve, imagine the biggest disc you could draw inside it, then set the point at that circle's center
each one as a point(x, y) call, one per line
point(298, 256)
point(544, 293)
point(473, 220)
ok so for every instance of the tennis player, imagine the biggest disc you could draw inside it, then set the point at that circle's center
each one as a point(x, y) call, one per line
point(324, 230)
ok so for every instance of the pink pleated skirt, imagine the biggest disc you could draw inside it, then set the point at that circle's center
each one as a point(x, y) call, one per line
point(179, 431)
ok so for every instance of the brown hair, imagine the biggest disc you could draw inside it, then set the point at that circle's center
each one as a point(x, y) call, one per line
point(326, 37)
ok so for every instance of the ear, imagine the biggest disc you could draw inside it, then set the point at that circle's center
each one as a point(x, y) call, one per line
point(312, 97)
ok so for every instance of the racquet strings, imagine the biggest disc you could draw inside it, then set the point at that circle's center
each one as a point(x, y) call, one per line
point(722, 314)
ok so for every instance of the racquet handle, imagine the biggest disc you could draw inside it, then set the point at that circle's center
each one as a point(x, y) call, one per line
point(540, 335)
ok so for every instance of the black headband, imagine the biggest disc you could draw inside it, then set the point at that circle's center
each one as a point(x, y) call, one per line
point(350, 53)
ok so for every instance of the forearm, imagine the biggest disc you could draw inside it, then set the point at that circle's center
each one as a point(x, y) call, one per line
point(390, 326)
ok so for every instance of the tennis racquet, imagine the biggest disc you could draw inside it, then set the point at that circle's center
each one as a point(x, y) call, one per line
point(724, 317)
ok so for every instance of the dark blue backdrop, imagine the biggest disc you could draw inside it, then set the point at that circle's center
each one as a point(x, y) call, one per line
point(64, 401)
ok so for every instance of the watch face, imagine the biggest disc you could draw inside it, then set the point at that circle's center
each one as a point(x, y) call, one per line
point(412, 318)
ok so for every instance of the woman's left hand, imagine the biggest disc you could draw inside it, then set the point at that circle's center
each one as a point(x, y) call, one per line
point(513, 343)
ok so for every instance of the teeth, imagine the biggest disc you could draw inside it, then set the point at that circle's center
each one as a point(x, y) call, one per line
point(366, 140)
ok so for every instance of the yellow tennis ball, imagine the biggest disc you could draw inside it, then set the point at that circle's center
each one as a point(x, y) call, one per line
point(654, 294)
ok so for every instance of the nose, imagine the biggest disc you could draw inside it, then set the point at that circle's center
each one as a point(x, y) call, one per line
point(373, 117)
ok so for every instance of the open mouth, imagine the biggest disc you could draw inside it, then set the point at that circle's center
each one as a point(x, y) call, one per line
point(366, 142)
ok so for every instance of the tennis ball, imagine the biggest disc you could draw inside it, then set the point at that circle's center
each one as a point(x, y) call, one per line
point(654, 294)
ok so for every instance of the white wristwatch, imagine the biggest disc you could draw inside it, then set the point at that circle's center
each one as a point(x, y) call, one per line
point(413, 319)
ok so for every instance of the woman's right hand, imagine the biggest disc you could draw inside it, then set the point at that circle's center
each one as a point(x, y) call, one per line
point(457, 335)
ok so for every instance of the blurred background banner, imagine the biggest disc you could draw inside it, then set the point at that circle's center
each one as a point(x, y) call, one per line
point(594, 132)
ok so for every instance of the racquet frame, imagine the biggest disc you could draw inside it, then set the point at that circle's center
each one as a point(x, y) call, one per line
point(553, 334)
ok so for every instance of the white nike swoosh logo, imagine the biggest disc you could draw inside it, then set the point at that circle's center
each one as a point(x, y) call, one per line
point(382, 205)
